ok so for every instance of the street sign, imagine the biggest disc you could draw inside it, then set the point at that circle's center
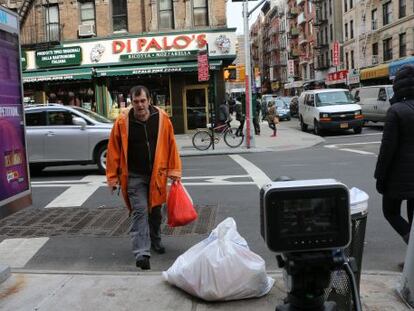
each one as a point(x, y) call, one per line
point(291, 68)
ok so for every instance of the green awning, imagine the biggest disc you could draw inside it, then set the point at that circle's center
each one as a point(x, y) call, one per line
point(56, 75)
point(153, 68)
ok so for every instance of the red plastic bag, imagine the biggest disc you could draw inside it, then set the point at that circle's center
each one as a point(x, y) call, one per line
point(180, 206)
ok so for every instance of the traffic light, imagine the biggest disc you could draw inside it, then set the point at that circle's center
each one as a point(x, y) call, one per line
point(230, 73)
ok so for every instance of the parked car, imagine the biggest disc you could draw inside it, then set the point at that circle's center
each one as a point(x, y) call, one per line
point(374, 101)
point(65, 135)
point(282, 109)
point(329, 109)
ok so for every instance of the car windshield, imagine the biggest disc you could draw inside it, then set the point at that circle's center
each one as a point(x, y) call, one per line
point(281, 104)
point(333, 98)
point(93, 115)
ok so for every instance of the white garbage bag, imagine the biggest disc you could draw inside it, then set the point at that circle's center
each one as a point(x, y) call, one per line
point(358, 201)
point(221, 267)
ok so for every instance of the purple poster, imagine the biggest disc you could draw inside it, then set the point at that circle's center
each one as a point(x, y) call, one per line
point(13, 165)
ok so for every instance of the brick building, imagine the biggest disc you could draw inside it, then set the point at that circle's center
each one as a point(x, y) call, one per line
point(91, 53)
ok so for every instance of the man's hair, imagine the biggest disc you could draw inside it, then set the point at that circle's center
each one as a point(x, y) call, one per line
point(137, 90)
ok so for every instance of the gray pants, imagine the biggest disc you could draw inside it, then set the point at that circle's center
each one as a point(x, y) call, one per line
point(145, 226)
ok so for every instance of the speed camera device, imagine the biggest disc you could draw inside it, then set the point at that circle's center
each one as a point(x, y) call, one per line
point(305, 215)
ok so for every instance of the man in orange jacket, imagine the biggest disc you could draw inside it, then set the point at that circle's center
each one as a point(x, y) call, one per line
point(142, 153)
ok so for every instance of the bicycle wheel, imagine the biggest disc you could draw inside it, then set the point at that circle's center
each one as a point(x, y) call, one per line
point(232, 139)
point(202, 140)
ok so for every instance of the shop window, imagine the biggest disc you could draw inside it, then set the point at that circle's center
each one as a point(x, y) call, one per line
point(166, 14)
point(200, 13)
point(74, 94)
point(52, 30)
point(119, 15)
point(387, 13)
point(401, 8)
point(87, 12)
point(37, 118)
point(403, 45)
point(387, 49)
point(374, 19)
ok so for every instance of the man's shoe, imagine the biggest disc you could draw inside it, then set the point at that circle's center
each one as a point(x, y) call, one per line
point(158, 248)
point(143, 263)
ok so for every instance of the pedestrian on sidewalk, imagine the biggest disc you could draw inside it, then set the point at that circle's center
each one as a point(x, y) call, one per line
point(395, 166)
point(224, 114)
point(256, 115)
point(272, 117)
point(142, 153)
point(239, 116)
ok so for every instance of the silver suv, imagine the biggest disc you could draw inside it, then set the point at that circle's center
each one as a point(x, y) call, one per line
point(65, 135)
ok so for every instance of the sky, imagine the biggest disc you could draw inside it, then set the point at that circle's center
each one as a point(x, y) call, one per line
point(235, 15)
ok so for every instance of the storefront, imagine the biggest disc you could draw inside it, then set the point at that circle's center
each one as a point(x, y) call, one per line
point(337, 79)
point(98, 74)
point(394, 66)
point(375, 75)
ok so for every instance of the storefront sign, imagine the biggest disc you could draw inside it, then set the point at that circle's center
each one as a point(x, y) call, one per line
point(353, 77)
point(335, 52)
point(379, 71)
point(153, 55)
point(13, 165)
point(202, 64)
point(68, 56)
point(291, 68)
point(336, 77)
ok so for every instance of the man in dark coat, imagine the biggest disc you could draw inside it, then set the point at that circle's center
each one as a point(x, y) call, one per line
point(395, 167)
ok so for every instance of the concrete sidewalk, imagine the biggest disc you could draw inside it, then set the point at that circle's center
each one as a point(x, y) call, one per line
point(287, 139)
point(43, 291)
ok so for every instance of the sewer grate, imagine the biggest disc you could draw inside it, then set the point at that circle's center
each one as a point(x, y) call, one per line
point(98, 222)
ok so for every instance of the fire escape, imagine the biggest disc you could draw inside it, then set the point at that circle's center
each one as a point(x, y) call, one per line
point(321, 45)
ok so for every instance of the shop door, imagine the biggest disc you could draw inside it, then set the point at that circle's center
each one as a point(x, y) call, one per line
point(196, 108)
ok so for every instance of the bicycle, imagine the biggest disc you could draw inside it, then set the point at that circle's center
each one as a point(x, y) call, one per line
point(203, 139)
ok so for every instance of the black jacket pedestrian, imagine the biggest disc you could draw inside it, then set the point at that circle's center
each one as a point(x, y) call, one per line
point(395, 166)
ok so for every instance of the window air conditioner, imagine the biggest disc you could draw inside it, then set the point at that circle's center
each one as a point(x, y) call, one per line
point(86, 30)
point(374, 59)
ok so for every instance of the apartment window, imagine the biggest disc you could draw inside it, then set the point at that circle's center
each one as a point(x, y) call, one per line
point(374, 19)
point(52, 23)
point(401, 8)
point(387, 13)
point(346, 31)
point(330, 7)
point(331, 31)
point(119, 15)
point(351, 26)
point(310, 4)
point(403, 45)
point(352, 60)
point(387, 49)
point(87, 12)
point(345, 5)
point(375, 49)
point(326, 35)
point(200, 12)
point(347, 60)
point(166, 14)
point(351, 4)
point(310, 28)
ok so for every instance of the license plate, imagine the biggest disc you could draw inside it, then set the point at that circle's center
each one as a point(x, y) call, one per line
point(344, 125)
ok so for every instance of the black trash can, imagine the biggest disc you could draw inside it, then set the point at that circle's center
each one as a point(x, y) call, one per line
point(340, 289)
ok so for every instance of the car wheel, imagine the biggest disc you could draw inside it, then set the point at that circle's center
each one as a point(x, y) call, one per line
point(316, 129)
point(288, 119)
point(101, 158)
point(357, 130)
point(303, 126)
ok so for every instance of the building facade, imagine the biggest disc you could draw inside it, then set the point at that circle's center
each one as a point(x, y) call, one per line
point(90, 53)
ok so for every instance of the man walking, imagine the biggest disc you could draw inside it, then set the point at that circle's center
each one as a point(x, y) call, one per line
point(142, 153)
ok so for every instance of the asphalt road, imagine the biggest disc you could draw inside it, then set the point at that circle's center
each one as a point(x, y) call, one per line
point(75, 224)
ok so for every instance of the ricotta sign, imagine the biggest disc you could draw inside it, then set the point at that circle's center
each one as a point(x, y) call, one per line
point(67, 56)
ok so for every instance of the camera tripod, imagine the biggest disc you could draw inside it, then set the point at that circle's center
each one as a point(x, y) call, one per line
point(309, 275)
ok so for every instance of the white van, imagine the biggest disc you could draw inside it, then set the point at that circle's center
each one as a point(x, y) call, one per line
point(329, 109)
point(374, 101)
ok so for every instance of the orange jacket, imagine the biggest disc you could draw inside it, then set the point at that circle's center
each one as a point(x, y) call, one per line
point(167, 162)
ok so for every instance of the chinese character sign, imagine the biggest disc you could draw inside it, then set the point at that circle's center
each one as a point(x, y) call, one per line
point(335, 58)
point(291, 68)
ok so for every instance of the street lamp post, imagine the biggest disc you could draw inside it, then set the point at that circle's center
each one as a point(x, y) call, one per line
point(250, 141)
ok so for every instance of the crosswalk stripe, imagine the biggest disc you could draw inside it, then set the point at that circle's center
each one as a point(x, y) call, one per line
point(16, 253)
